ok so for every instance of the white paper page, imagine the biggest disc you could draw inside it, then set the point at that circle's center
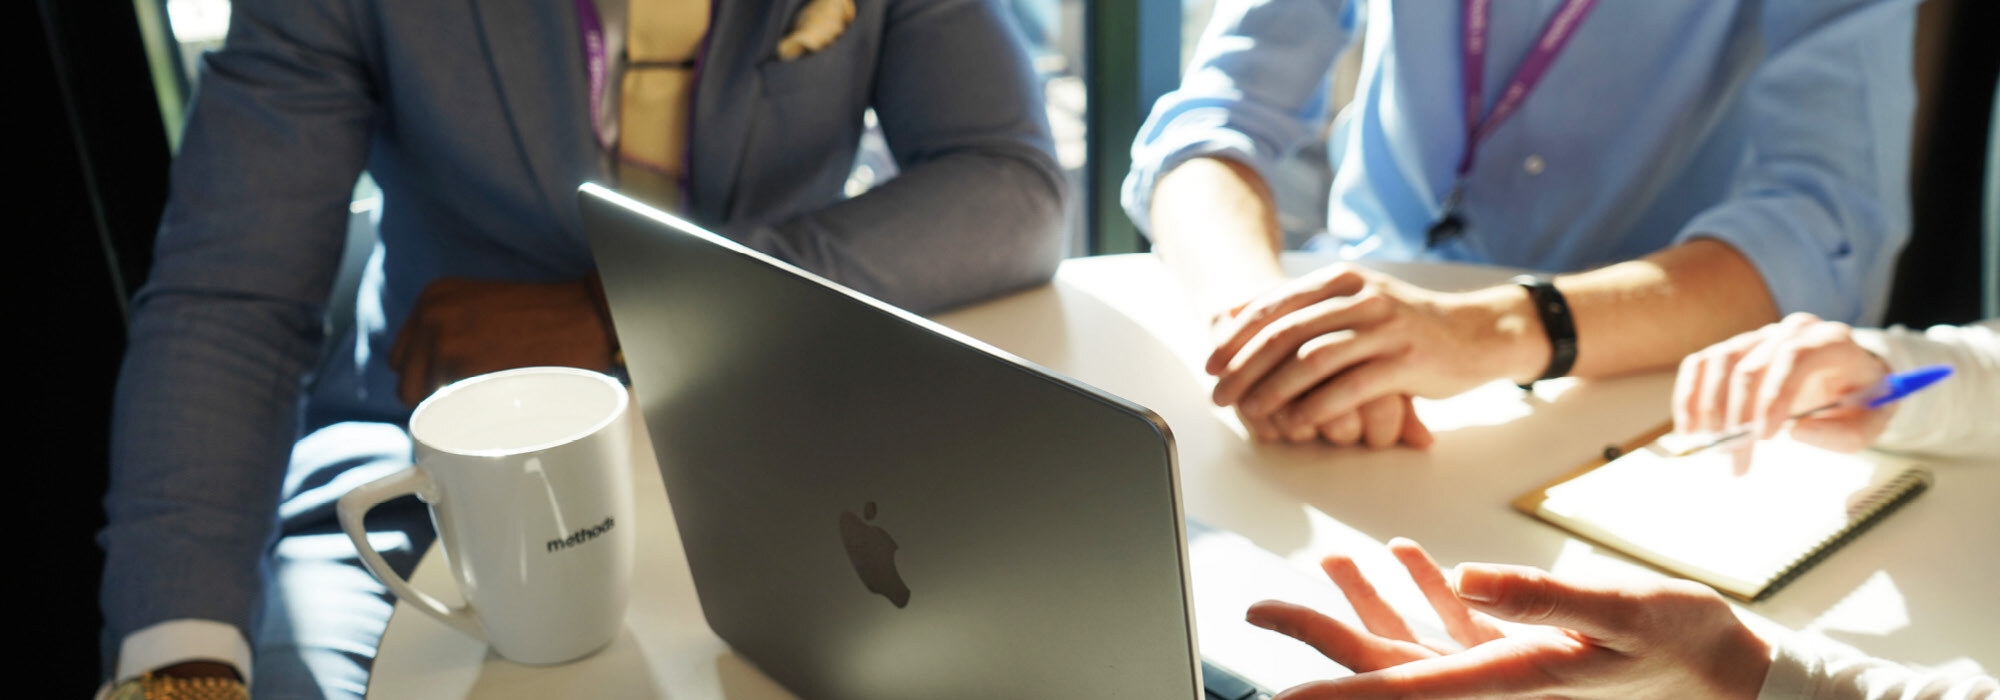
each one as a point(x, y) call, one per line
point(1695, 510)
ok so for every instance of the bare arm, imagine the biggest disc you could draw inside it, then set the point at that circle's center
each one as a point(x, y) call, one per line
point(1328, 342)
point(1649, 313)
point(1215, 226)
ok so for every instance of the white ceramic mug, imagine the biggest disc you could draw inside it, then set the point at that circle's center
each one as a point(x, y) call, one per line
point(527, 473)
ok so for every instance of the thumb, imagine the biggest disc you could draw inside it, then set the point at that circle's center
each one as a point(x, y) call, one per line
point(1531, 595)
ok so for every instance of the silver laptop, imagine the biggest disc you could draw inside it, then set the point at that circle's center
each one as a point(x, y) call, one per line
point(876, 507)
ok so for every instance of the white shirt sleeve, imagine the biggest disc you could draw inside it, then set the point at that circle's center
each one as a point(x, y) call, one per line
point(1801, 670)
point(1953, 418)
point(175, 641)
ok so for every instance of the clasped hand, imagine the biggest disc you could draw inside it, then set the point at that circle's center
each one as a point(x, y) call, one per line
point(1575, 639)
point(1337, 354)
point(461, 328)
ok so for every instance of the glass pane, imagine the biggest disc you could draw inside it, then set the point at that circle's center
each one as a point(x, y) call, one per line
point(198, 27)
point(1054, 29)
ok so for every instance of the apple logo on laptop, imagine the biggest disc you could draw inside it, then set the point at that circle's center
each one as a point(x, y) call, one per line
point(873, 553)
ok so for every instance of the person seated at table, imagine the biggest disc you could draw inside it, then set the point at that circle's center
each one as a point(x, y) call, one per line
point(233, 435)
point(1698, 169)
point(1661, 637)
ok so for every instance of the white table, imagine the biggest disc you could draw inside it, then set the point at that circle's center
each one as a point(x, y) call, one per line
point(1919, 588)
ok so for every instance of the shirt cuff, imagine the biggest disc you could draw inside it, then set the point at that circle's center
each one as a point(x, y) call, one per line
point(1802, 271)
point(1155, 160)
point(1794, 675)
point(176, 641)
point(1933, 422)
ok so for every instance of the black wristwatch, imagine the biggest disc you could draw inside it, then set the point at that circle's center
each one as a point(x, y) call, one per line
point(1556, 322)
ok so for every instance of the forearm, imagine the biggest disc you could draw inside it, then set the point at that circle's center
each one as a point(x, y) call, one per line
point(977, 208)
point(1215, 226)
point(944, 232)
point(202, 427)
point(1635, 316)
point(1649, 313)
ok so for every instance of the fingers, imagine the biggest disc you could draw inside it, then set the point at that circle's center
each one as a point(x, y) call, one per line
point(414, 355)
point(1459, 621)
point(1378, 424)
point(1375, 613)
point(412, 360)
point(1345, 393)
point(1763, 378)
point(1337, 640)
point(1298, 432)
point(1716, 387)
point(1740, 384)
point(1820, 365)
point(1297, 352)
point(1324, 283)
point(1686, 382)
point(1301, 353)
point(1415, 433)
point(1345, 429)
point(1382, 421)
point(1608, 614)
point(1712, 394)
point(1261, 427)
point(461, 327)
point(1769, 365)
point(1740, 457)
point(1491, 671)
point(1696, 385)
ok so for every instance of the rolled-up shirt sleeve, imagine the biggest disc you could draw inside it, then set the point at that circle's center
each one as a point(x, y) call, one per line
point(1819, 204)
point(1253, 93)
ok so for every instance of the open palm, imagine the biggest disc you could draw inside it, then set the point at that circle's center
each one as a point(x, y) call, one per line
point(1645, 639)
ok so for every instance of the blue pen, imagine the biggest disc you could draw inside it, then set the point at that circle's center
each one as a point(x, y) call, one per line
point(1891, 389)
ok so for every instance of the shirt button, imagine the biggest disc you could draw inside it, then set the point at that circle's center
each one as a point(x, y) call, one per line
point(1533, 165)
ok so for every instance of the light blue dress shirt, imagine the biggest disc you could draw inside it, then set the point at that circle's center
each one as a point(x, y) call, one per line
point(1780, 127)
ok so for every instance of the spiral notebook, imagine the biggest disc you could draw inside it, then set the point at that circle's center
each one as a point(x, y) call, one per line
point(1746, 535)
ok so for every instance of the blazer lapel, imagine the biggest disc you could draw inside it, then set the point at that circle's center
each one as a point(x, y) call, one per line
point(537, 60)
point(742, 35)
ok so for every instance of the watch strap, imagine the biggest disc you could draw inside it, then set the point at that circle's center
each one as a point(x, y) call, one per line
point(1557, 323)
point(150, 686)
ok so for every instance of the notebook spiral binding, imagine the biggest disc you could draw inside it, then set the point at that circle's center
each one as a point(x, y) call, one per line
point(1894, 494)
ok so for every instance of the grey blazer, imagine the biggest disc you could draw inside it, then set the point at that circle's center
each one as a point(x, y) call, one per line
point(472, 116)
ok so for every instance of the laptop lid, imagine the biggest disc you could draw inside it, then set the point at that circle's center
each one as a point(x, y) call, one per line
point(876, 507)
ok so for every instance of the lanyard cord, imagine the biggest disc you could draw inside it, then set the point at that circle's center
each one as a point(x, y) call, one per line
point(1473, 25)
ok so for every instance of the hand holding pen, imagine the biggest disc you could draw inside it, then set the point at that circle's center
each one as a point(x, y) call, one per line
point(1802, 373)
point(1890, 390)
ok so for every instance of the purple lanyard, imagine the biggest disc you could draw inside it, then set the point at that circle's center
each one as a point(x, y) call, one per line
point(1473, 29)
point(597, 63)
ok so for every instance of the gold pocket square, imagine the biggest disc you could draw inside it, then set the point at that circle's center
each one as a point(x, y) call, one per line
point(817, 25)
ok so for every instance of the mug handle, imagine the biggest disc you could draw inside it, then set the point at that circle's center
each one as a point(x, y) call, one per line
point(353, 506)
